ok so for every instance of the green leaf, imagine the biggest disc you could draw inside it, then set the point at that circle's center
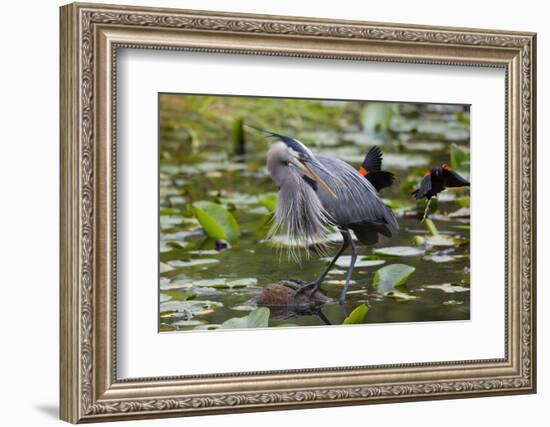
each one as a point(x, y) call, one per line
point(357, 316)
point(269, 201)
point(460, 158)
point(463, 118)
point(216, 221)
point(391, 276)
point(258, 318)
point(400, 251)
point(177, 295)
point(377, 116)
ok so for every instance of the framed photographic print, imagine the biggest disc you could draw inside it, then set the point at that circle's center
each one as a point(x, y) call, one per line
point(266, 212)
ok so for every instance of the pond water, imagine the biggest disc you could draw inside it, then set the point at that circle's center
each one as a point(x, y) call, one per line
point(201, 287)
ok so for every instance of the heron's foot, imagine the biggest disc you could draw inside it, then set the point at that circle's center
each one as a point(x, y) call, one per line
point(312, 287)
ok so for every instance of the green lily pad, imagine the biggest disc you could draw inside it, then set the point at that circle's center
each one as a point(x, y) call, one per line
point(269, 201)
point(357, 316)
point(216, 221)
point(390, 276)
point(258, 318)
point(400, 251)
point(190, 308)
point(176, 295)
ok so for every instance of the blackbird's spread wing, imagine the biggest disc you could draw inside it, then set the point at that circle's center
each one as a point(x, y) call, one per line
point(425, 187)
point(381, 179)
point(373, 160)
point(452, 179)
point(372, 170)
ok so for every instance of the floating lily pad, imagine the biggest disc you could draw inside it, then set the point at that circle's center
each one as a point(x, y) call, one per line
point(461, 213)
point(400, 251)
point(429, 146)
point(216, 221)
point(176, 295)
point(448, 288)
point(188, 323)
point(192, 262)
point(164, 268)
point(241, 283)
point(357, 316)
point(442, 240)
point(390, 276)
point(170, 220)
point(339, 282)
point(204, 252)
point(442, 258)
point(258, 318)
point(361, 262)
point(401, 296)
point(243, 307)
point(239, 199)
point(164, 298)
point(190, 308)
point(453, 302)
point(405, 161)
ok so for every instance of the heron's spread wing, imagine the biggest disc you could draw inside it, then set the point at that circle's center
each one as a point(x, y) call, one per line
point(425, 187)
point(357, 200)
point(452, 179)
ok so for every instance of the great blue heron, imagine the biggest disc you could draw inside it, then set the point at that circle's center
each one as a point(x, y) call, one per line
point(318, 192)
point(435, 181)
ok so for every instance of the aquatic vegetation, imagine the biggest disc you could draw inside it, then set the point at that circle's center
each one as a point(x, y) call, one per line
point(357, 316)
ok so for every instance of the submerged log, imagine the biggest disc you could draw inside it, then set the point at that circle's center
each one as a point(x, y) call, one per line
point(284, 301)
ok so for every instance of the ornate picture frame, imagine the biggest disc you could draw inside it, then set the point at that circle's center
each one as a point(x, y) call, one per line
point(90, 37)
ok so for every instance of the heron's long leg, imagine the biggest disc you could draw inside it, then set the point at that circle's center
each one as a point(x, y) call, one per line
point(314, 286)
point(350, 271)
point(323, 317)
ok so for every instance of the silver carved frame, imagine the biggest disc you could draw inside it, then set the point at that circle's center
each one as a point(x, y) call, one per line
point(90, 37)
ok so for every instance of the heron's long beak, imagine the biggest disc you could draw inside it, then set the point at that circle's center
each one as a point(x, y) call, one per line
point(308, 171)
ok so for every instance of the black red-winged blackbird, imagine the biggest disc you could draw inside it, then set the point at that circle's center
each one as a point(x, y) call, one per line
point(435, 181)
point(371, 169)
point(438, 179)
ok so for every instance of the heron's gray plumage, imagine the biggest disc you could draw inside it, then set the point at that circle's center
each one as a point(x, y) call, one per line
point(358, 204)
point(319, 192)
point(300, 214)
point(306, 212)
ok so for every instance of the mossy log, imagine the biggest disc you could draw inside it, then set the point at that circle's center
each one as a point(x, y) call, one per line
point(285, 294)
